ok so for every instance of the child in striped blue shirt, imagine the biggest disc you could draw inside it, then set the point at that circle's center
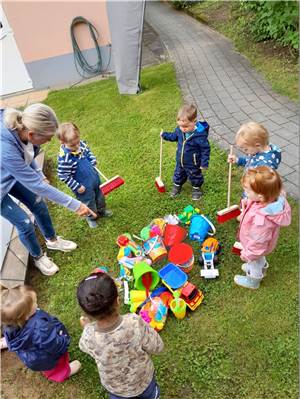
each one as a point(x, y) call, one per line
point(76, 164)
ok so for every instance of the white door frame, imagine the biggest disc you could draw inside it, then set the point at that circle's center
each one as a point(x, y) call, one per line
point(14, 76)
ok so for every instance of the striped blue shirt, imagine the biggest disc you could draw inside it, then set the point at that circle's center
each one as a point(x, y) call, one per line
point(67, 164)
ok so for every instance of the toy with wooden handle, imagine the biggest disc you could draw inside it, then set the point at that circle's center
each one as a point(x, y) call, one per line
point(110, 184)
point(231, 211)
point(158, 181)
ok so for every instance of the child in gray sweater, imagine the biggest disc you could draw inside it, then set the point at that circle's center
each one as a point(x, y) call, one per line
point(120, 345)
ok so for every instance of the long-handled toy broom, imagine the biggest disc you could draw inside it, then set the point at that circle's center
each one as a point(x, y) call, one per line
point(158, 181)
point(231, 211)
point(110, 184)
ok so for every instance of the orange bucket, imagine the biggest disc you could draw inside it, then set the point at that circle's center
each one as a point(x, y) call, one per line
point(182, 255)
point(155, 249)
point(174, 234)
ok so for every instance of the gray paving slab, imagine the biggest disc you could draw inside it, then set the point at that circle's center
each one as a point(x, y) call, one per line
point(224, 86)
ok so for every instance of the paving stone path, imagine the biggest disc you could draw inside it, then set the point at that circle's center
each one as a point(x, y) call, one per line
point(224, 86)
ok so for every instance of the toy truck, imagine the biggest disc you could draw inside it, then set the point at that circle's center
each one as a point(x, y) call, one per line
point(209, 257)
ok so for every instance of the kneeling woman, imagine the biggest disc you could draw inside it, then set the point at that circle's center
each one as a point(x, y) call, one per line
point(21, 135)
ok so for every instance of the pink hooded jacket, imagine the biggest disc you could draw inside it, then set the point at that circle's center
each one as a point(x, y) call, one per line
point(260, 225)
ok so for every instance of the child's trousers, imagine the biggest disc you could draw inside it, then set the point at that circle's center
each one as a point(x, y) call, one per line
point(94, 199)
point(192, 173)
point(152, 392)
point(255, 268)
point(61, 371)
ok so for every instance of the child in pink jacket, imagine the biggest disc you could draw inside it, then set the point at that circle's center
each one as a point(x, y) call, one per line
point(265, 211)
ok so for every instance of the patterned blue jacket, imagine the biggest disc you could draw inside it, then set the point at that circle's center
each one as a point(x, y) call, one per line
point(271, 158)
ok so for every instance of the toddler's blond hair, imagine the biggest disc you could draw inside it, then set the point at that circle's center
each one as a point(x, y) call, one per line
point(16, 305)
point(188, 111)
point(67, 132)
point(253, 133)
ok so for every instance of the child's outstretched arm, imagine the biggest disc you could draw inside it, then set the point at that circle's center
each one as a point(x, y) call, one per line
point(151, 341)
point(170, 136)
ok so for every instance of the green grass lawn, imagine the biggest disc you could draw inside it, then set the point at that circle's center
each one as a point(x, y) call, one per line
point(238, 343)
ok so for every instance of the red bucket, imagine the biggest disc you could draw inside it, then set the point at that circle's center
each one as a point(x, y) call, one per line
point(182, 255)
point(174, 234)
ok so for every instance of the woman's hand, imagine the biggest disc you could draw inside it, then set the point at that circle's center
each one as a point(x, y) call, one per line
point(83, 210)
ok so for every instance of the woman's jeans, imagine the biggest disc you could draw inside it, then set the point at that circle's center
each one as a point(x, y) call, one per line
point(19, 218)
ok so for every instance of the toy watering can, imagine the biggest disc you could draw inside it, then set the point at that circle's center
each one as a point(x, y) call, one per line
point(178, 306)
point(200, 228)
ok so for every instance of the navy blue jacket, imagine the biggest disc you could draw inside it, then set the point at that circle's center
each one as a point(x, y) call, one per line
point(40, 342)
point(193, 151)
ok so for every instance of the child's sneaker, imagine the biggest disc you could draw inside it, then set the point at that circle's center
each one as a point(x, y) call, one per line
point(46, 265)
point(196, 193)
point(106, 213)
point(264, 269)
point(247, 282)
point(61, 245)
point(175, 191)
point(75, 366)
point(91, 222)
point(3, 343)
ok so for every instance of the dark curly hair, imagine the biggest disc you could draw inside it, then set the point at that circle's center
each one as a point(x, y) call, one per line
point(97, 295)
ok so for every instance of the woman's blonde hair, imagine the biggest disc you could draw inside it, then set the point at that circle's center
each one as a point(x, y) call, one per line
point(39, 118)
point(188, 112)
point(264, 181)
point(67, 132)
point(16, 305)
point(253, 133)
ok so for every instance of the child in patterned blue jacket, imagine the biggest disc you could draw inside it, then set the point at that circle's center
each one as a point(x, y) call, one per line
point(253, 140)
point(76, 168)
point(193, 150)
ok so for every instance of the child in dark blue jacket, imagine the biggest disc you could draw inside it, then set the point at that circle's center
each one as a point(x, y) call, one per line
point(40, 341)
point(76, 168)
point(193, 150)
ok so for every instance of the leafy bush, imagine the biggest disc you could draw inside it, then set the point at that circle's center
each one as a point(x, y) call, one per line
point(278, 20)
point(181, 4)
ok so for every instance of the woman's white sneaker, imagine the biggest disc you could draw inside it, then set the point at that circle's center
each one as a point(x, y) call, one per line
point(46, 265)
point(75, 366)
point(61, 245)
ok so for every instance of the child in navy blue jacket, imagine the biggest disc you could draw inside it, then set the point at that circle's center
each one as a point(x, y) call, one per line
point(76, 164)
point(193, 150)
point(40, 341)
